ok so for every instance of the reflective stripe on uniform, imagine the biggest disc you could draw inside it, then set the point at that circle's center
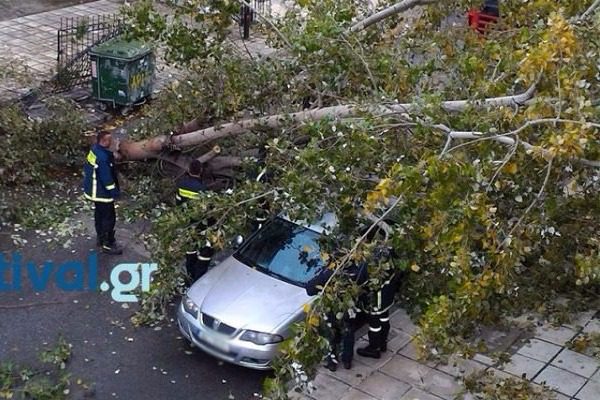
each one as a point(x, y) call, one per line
point(98, 199)
point(384, 319)
point(379, 312)
point(91, 158)
point(201, 258)
point(188, 194)
point(374, 329)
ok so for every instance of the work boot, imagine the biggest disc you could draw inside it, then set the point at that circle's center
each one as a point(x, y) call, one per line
point(369, 351)
point(112, 250)
point(331, 364)
point(383, 348)
point(347, 364)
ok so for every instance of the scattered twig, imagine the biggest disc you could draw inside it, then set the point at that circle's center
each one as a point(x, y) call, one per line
point(533, 203)
point(509, 155)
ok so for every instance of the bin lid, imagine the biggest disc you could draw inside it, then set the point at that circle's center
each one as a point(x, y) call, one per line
point(122, 49)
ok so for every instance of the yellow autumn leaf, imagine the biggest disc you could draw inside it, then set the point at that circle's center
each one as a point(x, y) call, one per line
point(511, 168)
point(306, 308)
point(415, 268)
point(313, 320)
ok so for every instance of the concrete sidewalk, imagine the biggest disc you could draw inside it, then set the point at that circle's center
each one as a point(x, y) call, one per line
point(31, 41)
point(399, 375)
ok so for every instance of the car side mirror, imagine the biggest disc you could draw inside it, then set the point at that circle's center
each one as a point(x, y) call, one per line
point(237, 241)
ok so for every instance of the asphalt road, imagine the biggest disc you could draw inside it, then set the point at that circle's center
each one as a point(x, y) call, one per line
point(118, 359)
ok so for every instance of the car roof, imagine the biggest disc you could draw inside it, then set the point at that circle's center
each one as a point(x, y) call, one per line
point(324, 225)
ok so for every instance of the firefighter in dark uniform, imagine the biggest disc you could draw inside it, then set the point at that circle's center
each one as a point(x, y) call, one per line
point(260, 217)
point(339, 332)
point(100, 185)
point(380, 301)
point(490, 7)
point(189, 187)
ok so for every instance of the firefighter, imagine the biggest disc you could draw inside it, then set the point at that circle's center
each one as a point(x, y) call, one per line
point(380, 301)
point(339, 331)
point(491, 7)
point(100, 185)
point(189, 187)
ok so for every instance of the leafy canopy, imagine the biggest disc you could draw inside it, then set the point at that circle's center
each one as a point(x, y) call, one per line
point(501, 217)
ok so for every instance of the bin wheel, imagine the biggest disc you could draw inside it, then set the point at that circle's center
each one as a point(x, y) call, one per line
point(102, 106)
point(125, 111)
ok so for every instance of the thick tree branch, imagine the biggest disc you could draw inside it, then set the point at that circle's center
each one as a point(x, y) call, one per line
point(590, 11)
point(505, 138)
point(150, 148)
point(392, 10)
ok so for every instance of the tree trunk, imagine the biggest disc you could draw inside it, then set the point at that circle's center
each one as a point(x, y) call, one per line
point(383, 14)
point(151, 148)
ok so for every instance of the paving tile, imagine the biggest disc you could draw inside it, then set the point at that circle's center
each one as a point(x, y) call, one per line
point(559, 336)
point(355, 394)
point(523, 367)
point(406, 370)
point(560, 396)
point(459, 367)
point(298, 396)
point(539, 350)
point(596, 376)
point(353, 376)
point(442, 385)
point(580, 320)
point(410, 351)
point(400, 320)
point(374, 363)
point(577, 363)
point(400, 340)
point(591, 391)
point(328, 388)
point(483, 359)
point(499, 374)
point(593, 326)
point(384, 387)
point(417, 394)
point(560, 380)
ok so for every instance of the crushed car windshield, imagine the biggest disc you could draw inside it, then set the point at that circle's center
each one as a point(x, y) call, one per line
point(285, 250)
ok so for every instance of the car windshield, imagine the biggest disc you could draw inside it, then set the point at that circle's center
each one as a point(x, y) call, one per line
point(285, 250)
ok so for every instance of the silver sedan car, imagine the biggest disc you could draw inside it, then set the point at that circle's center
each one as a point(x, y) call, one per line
point(243, 308)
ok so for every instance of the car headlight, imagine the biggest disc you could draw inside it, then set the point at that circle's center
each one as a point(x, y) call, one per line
point(260, 337)
point(190, 307)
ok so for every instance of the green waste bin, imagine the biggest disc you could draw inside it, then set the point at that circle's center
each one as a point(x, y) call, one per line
point(122, 73)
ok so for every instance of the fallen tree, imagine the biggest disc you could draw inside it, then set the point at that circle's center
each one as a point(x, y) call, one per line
point(491, 202)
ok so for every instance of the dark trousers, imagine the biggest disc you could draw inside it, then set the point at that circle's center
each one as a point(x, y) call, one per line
point(379, 328)
point(341, 333)
point(105, 220)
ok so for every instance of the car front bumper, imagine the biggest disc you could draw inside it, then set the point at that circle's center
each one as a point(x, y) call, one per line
point(226, 348)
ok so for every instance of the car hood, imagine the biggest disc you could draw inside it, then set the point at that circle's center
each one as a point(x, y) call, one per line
point(243, 297)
